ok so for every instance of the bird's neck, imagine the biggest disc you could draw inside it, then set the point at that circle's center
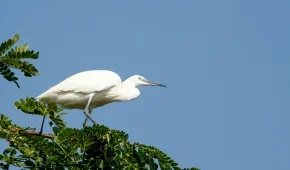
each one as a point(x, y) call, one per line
point(126, 91)
point(129, 83)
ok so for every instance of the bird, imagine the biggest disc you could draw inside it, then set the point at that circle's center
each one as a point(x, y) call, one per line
point(88, 90)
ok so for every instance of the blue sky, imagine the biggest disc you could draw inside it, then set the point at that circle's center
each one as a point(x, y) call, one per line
point(226, 64)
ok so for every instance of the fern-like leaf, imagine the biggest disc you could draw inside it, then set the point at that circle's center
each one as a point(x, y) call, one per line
point(6, 45)
point(15, 59)
point(31, 106)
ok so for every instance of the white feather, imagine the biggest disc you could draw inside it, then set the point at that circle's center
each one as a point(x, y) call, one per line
point(86, 82)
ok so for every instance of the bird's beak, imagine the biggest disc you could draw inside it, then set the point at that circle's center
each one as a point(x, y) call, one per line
point(150, 83)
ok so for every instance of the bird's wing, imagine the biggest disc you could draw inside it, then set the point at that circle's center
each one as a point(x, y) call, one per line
point(88, 82)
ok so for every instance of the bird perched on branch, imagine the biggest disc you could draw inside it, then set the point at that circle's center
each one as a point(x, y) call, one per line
point(91, 89)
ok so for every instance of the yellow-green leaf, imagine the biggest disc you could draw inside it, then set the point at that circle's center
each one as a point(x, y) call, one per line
point(26, 47)
point(16, 38)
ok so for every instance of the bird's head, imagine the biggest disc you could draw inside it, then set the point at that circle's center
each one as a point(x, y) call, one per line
point(138, 80)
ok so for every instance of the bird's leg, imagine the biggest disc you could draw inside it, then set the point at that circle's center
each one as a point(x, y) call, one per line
point(87, 113)
point(86, 120)
point(87, 110)
point(42, 125)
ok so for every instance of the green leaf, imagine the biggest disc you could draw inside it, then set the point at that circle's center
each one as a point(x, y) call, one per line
point(26, 47)
point(55, 130)
point(13, 152)
point(7, 151)
point(16, 37)
point(21, 48)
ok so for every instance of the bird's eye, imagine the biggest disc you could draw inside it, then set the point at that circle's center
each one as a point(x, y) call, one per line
point(142, 79)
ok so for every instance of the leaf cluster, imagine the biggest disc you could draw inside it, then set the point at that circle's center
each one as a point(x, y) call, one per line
point(15, 58)
point(30, 106)
point(96, 147)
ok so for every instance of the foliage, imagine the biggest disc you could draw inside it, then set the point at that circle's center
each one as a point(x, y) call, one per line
point(14, 58)
point(96, 147)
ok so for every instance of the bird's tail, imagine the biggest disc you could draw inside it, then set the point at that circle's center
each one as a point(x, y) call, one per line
point(43, 96)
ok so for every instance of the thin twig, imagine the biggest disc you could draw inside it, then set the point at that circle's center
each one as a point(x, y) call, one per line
point(41, 129)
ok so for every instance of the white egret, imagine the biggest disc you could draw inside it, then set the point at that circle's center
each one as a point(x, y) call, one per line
point(91, 89)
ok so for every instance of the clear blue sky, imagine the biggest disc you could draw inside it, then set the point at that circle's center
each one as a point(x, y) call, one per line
point(226, 64)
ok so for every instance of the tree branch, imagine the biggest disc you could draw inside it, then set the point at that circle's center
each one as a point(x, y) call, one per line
point(19, 131)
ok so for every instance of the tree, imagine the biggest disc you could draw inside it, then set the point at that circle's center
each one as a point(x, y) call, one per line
point(96, 147)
